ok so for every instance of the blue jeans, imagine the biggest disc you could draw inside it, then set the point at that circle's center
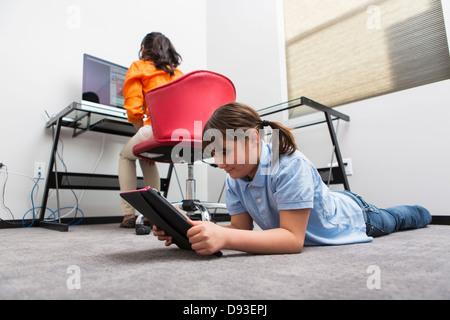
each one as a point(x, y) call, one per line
point(380, 222)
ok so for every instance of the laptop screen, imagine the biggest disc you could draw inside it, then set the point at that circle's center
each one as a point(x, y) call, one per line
point(103, 81)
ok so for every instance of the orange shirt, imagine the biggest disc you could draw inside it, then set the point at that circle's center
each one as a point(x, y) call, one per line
point(141, 77)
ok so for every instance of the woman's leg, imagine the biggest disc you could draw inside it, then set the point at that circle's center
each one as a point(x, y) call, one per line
point(151, 174)
point(127, 172)
point(127, 179)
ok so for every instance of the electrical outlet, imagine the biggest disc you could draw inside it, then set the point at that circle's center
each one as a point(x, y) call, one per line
point(348, 166)
point(39, 168)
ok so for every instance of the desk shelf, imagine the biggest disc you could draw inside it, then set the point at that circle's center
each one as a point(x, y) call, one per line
point(86, 181)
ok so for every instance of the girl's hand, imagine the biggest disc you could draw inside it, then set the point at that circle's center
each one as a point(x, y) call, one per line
point(206, 237)
point(162, 235)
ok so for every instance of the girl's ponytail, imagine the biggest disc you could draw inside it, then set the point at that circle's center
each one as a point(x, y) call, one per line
point(286, 143)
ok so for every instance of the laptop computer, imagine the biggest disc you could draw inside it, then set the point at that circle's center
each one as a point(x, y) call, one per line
point(103, 86)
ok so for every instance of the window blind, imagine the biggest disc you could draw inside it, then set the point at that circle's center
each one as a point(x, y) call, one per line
point(341, 51)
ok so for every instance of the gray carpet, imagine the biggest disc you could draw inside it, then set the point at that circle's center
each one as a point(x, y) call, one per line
point(117, 264)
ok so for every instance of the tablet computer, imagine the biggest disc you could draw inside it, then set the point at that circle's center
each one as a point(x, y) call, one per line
point(161, 213)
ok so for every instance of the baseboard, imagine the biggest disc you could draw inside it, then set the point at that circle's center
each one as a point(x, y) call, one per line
point(441, 220)
point(6, 224)
point(437, 220)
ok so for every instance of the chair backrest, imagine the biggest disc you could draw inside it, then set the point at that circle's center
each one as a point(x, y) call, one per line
point(187, 103)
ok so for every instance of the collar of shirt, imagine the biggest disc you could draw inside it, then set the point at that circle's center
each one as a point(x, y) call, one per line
point(265, 162)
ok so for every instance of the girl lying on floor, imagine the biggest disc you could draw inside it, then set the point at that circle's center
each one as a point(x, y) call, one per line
point(277, 187)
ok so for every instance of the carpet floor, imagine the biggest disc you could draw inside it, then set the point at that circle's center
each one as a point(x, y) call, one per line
point(105, 262)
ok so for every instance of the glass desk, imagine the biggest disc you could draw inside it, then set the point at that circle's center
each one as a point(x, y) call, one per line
point(82, 118)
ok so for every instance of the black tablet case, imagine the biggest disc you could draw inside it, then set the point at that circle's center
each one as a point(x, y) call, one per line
point(161, 213)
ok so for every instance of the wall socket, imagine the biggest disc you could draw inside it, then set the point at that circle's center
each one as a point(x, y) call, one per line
point(348, 166)
point(39, 168)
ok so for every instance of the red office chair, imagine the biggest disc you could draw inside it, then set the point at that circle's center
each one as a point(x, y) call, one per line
point(179, 111)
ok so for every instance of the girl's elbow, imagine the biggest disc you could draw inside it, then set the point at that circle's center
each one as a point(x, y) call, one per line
point(297, 248)
point(300, 248)
point(295, 244)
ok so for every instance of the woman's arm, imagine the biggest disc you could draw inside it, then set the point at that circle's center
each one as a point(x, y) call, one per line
point(139, 124)
point(133, 94)
point(207, 238)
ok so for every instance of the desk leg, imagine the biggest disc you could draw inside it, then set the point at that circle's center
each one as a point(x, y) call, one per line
point(337, 150)
point(51, 165)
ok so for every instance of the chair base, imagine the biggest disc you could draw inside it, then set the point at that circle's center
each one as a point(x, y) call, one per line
point(193, 207)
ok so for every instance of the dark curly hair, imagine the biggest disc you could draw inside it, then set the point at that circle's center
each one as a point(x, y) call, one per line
point(160, 51)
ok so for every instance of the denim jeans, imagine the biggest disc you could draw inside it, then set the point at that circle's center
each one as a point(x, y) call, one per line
point(380, 222)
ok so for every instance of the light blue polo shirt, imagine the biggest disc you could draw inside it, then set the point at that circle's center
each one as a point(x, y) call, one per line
point(294, 183)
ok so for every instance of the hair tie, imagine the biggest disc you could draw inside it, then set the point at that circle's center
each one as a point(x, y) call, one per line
point(265, 123)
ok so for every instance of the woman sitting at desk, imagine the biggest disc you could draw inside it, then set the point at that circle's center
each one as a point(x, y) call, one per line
point(157, 65)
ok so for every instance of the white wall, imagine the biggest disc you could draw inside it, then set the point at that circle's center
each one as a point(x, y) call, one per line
point(399, 145)
point(246, 43)
point(42, 43)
